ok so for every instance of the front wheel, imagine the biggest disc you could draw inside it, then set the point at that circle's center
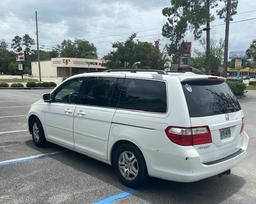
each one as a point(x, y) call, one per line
point(38, 135)
point(130, 165)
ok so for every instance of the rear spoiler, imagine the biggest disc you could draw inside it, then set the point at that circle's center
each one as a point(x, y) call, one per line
point(204, 80)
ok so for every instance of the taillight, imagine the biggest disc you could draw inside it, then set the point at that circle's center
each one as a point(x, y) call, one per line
point(189, 136)
point(242, 126)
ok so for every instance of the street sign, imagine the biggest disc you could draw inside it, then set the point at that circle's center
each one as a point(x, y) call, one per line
point(20, 66)
point(238, 63)
point(20, 57)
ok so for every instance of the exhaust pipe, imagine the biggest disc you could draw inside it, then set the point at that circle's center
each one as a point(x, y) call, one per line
point(228, 172)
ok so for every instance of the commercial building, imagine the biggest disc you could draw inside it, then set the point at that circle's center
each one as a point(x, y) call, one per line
point(65, 67)
point(243, 72)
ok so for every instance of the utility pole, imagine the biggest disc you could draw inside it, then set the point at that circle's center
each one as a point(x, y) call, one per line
point(228, 15)
point(208, 39)
point(37, 45)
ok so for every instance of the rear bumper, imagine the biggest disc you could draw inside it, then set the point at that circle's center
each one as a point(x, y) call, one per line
point(188, 167)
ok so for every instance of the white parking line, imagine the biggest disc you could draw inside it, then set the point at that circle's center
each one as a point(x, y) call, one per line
point(13, 131)
point(15, 106)
point(12, 116)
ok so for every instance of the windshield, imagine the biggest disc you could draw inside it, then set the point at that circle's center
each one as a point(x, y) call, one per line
point(209, 97)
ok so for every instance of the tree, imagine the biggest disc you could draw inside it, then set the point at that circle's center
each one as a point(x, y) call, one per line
point(183, 16)
point(3, 45)
point(53, 53)
point(222, 13)
point(130, 53)
point(85, 49)
point(27, 42)
point(6, 57)
point(216, 56)
point(13, 68)
point(24, 44)
point(251, 51)
point(77, 48)
point(17, 43)
point(189, 15)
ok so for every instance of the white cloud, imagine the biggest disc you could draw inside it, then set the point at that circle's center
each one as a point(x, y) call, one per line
point(103, 22)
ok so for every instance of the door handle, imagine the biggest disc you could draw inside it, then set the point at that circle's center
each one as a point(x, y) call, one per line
point(81, 113)
point(68, 111)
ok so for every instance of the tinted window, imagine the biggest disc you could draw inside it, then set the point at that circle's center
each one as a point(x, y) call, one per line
point(205, 98)
point(145, 95)
point(68, 92)
point(98, 91)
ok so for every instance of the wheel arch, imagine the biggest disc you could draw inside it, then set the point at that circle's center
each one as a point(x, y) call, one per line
point(30, 119)
point(120, 142)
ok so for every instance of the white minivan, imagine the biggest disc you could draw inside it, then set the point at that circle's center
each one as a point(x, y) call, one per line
point(179, 127)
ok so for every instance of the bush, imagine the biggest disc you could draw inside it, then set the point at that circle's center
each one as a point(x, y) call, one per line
point(31, 84)
point(17, 85)
point(41, 84)
point(52, 84)
point(252, 83)
point(4, 84)
point(45, 84)
point(237, 87)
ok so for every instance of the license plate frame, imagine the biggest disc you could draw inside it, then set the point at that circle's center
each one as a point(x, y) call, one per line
point(225, 133)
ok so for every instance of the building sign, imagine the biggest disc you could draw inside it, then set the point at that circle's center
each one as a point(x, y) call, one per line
point(20, 57)
point(78, 62)
point(186, 49)
point(66, 61)
point(238, 63)
point(56, 62)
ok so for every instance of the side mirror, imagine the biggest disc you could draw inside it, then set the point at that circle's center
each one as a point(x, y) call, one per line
point(47, 97)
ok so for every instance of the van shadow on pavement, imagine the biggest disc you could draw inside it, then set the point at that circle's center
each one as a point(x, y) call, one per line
point(212, 190)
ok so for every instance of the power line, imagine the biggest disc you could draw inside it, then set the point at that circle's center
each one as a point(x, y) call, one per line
point(234, 22)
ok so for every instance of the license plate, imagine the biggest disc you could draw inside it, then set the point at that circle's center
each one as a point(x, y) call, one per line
point(225, 133)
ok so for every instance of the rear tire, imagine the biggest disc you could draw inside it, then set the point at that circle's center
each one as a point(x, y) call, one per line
point(129, 165)
point(37, 132)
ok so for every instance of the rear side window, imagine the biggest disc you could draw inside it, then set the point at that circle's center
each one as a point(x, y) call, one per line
point(144, 95)
point(209, 97)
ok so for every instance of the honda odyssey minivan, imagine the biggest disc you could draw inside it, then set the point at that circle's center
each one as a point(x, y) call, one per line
point(178, 127)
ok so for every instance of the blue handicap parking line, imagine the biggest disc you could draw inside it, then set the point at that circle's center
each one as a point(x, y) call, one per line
point(112, 198)
point(27, 159)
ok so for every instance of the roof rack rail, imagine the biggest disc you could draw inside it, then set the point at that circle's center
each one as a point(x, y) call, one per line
point(137, 70)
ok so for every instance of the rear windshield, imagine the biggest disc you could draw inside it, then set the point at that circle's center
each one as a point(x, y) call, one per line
point(209, 97)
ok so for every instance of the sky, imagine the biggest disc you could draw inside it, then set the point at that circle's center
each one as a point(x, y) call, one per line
point(103, 22)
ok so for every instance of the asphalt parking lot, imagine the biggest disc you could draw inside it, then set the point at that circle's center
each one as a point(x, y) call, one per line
point(57, 175)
